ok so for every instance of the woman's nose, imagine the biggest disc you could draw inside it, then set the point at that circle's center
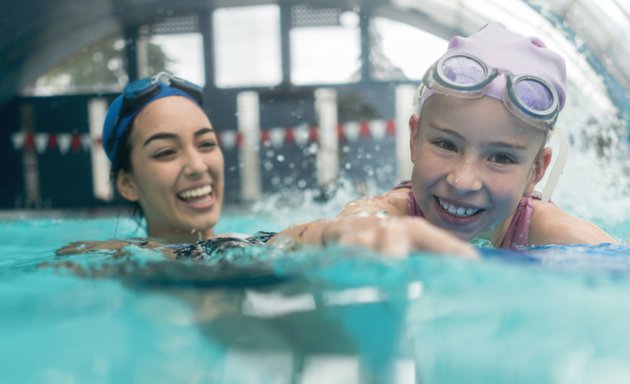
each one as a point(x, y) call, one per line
point(464, 177)
point(195, 163)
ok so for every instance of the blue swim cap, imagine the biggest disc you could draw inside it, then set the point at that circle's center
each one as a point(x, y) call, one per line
point(110, 145)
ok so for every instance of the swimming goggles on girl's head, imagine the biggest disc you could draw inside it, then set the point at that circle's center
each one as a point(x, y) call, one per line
point(530, 98)
point(138, 93)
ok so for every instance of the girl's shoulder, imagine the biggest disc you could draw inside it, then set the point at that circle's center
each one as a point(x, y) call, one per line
point(552, 225)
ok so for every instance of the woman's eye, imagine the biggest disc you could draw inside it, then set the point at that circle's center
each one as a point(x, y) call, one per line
point(164, 154)
point(208, 144)
point(445, 144)
point(502, 159)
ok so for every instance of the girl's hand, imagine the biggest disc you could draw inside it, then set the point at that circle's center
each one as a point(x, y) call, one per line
point(394, 235)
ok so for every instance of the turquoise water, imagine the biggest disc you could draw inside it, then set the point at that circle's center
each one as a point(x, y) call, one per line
point(548, 315)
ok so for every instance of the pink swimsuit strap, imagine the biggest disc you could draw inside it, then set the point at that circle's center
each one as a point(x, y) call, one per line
point(517, 235)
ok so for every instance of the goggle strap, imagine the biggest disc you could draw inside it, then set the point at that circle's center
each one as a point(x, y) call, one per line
point(558, 166)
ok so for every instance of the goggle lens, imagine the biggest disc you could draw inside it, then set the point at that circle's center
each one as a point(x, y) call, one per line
point(463, 71)
point(534, 95)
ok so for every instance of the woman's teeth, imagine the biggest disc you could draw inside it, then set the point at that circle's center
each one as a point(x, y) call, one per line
point(197, 192)
point(458, 211)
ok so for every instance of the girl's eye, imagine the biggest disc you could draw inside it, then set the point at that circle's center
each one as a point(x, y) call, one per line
point(445, 144)
point(502, 159)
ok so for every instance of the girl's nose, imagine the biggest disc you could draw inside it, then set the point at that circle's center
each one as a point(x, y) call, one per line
point(464, 177)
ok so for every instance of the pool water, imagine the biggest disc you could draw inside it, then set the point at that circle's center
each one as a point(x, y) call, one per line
point(340, 315)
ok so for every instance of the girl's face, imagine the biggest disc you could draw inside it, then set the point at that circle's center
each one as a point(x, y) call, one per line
point(473, 161)
point(177, 170)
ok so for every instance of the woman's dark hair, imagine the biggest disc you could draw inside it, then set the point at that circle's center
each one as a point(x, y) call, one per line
point(122, 162)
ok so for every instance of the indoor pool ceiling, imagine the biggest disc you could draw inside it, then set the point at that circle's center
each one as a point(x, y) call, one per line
point(37, 34)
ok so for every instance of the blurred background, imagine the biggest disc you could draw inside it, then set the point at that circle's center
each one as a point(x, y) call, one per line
point(304, 94)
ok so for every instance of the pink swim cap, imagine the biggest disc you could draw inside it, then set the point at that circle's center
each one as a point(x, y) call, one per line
point(501, 48)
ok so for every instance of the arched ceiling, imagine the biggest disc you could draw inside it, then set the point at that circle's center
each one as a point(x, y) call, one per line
point(37, 34)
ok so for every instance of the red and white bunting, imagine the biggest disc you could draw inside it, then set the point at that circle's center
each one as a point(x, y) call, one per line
point(228, 139)
point(41, 142)
point(18, 140)
point(276, 137)
point(351, 131)
point(86, 142)
point(299, 135)
point(63, 142)
point(377, 129)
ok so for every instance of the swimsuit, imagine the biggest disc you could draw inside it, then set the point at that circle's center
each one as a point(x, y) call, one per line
point(212, 248)
point(517, 234)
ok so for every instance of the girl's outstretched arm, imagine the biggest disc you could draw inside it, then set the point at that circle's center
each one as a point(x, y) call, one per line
point(377, 224)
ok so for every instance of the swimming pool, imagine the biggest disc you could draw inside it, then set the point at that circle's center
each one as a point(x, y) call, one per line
point(549, 315)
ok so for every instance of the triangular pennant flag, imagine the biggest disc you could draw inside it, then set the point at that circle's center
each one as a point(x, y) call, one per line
point(41, 142)
point(18, 140)
point(228, 139)
point(75, 142)
point(276, 136)
point(289, 138)
point(377, 129)
point(63, 141)
point(29, 142)
point(86, 142)
point(391, 128)
point(52, 142)
point(264, 137)
point(300, 133)
point(340, 135)
point(364, 129)
point(313, 134)
point(351, 131)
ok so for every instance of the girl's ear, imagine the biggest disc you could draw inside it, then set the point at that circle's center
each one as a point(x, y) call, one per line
point(414, 128)
point(126, 186)
point(538, 171)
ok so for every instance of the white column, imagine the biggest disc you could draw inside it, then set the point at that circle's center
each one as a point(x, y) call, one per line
point(404, 109)
point(249, 128)
point(327, 156)
point(101, 186)
point(30, 164)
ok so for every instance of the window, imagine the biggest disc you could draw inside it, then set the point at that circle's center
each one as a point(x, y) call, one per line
point(247, 46)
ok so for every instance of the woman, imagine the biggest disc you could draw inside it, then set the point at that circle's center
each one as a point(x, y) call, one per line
point(166, 161)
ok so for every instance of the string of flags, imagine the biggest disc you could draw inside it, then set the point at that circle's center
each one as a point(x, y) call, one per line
point(278, 137)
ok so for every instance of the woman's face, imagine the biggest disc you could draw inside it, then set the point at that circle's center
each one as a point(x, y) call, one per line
point(473, 161)
point(177, 170)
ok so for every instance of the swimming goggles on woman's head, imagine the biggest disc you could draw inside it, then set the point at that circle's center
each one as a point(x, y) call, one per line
point(138, 93)
point(530, 98)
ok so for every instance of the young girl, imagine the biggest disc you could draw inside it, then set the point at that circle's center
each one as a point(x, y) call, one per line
point(485, 111)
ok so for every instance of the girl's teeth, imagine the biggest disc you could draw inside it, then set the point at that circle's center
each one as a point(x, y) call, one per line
point(458, 211)
point(197, 192)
